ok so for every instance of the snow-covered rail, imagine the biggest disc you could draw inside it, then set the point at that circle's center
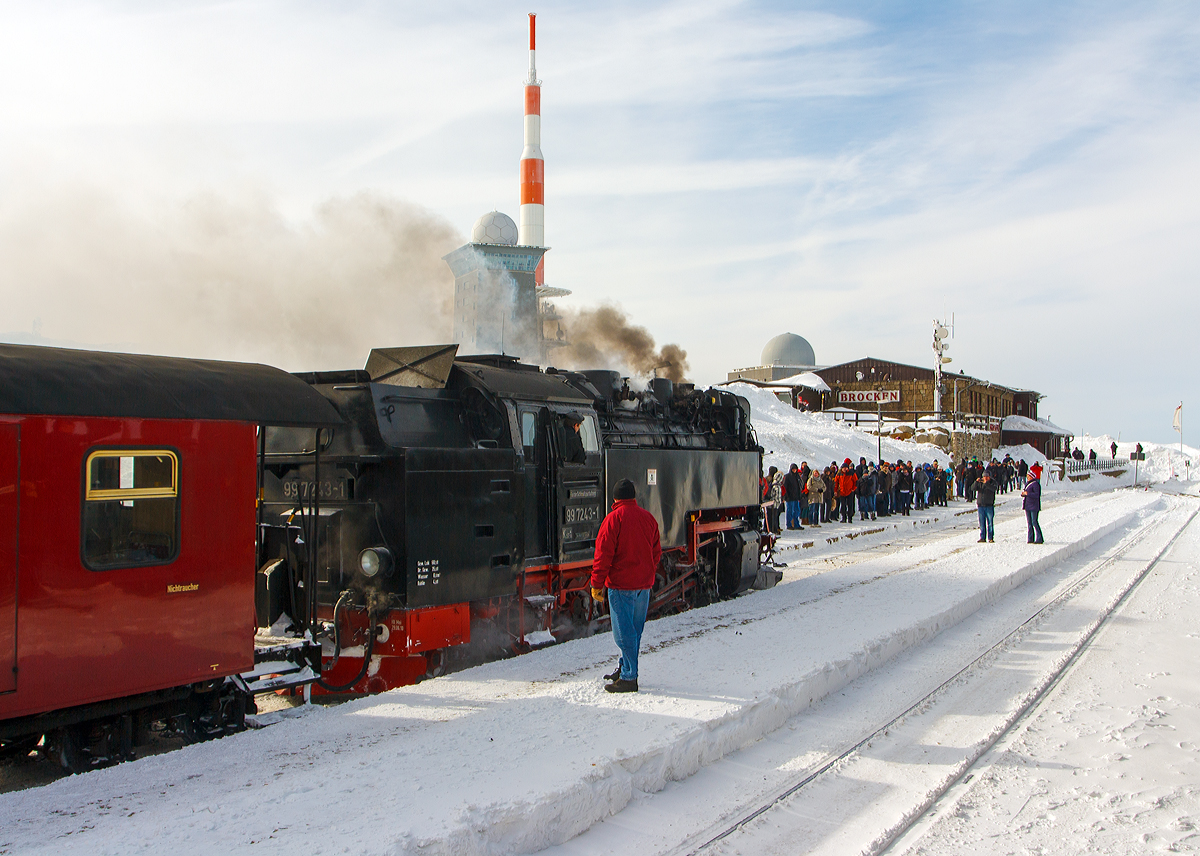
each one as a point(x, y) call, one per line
point(897, 835)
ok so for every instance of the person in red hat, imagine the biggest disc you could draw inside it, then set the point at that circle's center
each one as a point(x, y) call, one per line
point(846, 483)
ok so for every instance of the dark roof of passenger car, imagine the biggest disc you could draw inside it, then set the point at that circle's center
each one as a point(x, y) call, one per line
point(45, 381)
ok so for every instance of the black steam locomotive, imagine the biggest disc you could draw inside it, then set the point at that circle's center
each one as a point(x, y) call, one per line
point(453, 517)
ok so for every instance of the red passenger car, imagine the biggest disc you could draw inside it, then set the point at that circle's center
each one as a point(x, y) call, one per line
point(127, 541)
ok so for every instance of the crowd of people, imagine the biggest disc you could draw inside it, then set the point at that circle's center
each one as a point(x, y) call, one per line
point(849, 492)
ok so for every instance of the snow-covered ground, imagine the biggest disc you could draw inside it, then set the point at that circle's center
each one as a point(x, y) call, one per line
point(1109, 763)
point(744, 700)
point(1163, 462)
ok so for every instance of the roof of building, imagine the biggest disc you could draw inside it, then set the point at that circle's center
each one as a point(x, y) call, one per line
point(516, 258)
point(867, 362)
point(948, 377)
point(1026, 425)
point(808, 379)
point(40, 381)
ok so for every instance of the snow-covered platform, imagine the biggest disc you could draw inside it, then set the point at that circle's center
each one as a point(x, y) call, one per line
point(515, 756)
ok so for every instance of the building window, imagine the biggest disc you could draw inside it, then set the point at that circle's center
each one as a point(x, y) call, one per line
point(130, 508)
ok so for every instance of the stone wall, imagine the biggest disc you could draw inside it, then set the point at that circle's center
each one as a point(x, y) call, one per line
point(965, 445)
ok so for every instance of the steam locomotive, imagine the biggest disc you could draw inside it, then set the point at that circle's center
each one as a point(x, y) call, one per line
point(453, 517)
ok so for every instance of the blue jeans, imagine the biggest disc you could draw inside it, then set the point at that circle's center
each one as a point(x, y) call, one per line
point(793, 513)
point(987, 522)
point(628, 612)
point(1031, 518)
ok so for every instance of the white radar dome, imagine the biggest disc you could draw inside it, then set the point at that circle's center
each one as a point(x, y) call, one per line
point(494, 228)
point(788, 349)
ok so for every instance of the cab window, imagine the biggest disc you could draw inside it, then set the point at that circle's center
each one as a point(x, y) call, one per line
point(587, 433)
point(528, 429)
point(130, 508)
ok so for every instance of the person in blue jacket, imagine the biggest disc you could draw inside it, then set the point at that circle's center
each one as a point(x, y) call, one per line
point(1032, 503)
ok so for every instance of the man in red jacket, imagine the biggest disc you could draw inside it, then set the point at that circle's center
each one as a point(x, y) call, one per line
point(628, 550)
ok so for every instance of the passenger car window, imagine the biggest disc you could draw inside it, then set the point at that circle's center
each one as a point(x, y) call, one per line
point(130, 508)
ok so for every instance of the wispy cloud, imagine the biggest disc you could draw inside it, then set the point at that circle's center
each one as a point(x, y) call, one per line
point(724, 170)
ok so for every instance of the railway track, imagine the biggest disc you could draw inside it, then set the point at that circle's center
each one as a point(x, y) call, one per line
point(728, 835)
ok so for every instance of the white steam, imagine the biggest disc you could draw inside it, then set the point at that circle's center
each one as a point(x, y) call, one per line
point(227, 277)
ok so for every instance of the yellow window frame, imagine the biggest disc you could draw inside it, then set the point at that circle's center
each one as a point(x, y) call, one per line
point(98, 494)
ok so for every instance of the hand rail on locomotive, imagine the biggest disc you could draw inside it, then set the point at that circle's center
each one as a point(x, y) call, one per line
point(296, 663)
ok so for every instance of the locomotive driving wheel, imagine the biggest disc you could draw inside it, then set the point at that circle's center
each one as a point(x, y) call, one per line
point(437, 663)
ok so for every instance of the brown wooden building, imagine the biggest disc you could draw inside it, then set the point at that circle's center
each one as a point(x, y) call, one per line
point(906, 392)
point(903, 393)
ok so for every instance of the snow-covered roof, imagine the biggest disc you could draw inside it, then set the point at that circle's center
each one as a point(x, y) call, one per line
point(805, 379)
point(1033, 426)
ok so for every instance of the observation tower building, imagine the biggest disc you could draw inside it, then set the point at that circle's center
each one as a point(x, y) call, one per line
point(501, 300)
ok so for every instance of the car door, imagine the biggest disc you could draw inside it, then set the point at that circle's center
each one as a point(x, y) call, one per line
point(9, 495)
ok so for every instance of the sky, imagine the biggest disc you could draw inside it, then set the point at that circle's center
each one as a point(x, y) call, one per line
point(278, 181)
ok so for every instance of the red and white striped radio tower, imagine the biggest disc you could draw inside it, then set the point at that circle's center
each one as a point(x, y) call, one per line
point(533, 222)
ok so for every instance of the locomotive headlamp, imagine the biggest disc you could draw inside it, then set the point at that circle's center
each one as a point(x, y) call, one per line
point(375, 561)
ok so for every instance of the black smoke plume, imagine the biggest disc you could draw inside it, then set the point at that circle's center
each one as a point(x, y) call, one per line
point(603, 334)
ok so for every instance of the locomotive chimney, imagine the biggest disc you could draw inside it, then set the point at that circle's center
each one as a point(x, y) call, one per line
point(532, 213)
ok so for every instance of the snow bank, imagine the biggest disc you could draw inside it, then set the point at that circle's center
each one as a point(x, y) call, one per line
point(792, 436)
point(515, 756)
point(1163, 462)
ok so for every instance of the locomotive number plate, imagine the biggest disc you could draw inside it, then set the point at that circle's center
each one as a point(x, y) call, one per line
point(333, 489)
point(582, 514)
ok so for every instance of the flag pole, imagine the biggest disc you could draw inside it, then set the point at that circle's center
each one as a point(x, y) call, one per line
point(1177, 424)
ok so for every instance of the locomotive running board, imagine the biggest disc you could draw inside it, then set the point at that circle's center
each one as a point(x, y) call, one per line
point(279, 667)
